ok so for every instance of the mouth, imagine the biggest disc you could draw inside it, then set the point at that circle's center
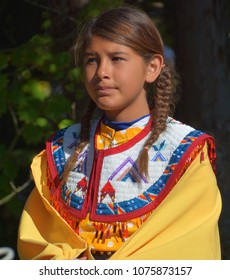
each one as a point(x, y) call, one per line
point(104, 90)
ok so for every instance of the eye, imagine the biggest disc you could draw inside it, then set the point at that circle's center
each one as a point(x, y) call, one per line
point(117, 59)
point(90, 60)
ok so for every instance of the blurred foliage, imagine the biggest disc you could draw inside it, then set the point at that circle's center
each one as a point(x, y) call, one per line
point(40, 89)
point(34, 87)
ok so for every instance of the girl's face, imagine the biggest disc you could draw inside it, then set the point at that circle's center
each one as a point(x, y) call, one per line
point(115, 76)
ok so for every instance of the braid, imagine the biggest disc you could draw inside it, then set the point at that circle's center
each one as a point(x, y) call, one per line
point(84, 136)
point(85, 121)
point(163, 107)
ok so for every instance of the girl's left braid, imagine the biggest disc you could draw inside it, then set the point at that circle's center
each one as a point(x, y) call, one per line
point(84, 136)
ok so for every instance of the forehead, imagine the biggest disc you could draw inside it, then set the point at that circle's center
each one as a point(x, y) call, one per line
point(98, 44)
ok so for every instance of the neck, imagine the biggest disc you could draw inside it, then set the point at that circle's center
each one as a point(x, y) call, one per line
point(117, 126)
point(126, 116)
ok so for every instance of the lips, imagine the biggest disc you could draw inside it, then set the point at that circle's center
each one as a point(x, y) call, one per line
point(104, 90)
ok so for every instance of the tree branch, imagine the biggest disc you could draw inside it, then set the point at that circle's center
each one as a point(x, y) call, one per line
point(15, 191)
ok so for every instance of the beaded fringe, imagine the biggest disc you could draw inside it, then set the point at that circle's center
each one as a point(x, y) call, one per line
point(103, 230)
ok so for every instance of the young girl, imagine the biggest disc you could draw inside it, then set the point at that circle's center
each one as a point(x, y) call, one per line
point(134, 184)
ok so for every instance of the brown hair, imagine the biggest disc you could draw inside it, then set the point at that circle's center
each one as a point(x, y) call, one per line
point(133, 28)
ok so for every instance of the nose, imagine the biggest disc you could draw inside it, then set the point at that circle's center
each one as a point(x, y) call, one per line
point(103, 70)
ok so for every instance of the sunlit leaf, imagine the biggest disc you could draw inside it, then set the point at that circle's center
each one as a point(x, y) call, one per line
point(65, 123)
point(42, 122)
point(38, 89)
point(53, 68)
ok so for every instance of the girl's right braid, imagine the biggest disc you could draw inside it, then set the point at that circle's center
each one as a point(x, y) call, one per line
point(84, 136)
point(163, 107)
point(85, 121)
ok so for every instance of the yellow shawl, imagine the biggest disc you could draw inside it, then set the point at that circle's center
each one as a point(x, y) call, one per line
point(184, 226)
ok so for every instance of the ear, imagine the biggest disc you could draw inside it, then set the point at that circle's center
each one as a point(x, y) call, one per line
point(154, 68)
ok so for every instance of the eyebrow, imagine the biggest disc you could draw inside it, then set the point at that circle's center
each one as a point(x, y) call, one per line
point(89, 53)
point(112, 53)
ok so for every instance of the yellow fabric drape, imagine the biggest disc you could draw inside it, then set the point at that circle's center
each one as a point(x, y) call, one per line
point(43, 234)
point(184, 226)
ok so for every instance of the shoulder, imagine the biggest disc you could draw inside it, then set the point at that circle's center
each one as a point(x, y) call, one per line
point(176, 130)
point(192, 140)
point(178, 133)
point(61, 144)
point(174, 126)
point(69, 136)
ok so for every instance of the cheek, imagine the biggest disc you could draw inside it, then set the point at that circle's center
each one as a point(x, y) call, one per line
point(134, 78)
point(88, 75)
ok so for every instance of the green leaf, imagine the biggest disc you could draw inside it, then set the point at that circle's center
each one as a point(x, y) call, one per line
point(38, 89)
point(46, 24)
point(65, 123)
point(42, 122)
point(53, 68)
